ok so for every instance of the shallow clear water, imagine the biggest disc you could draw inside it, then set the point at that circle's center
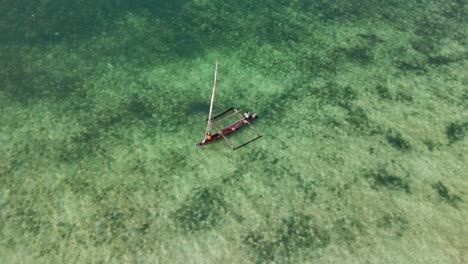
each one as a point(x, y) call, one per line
point(362, 107)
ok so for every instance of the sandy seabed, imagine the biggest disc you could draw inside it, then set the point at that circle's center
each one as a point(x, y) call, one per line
point(362, 107)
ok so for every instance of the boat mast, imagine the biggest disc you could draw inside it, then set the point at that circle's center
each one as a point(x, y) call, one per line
point(208, 127)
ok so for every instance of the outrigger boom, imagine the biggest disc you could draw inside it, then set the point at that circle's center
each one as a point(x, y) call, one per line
point(246, 118)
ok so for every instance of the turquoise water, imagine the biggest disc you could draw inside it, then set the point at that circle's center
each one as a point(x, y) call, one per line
point(362, 106)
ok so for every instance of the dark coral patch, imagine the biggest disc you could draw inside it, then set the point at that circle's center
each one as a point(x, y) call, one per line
point(396, 223)
point(396, 139)
point(383, 179)
point(197, 107)
point(456, 131)
point(446, 195)
point(291, 235)
point(202, 211)
point(301, 232)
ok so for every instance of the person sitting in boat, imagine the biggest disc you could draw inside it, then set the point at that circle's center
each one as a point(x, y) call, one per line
point(247, 115)
point(208, 137)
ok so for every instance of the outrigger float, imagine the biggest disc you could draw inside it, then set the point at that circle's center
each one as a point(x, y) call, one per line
point(222, 132)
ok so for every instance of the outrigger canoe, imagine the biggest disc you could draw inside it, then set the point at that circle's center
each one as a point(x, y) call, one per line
point(244, 120)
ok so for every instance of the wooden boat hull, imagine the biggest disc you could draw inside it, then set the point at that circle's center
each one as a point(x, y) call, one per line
point(227, 130)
